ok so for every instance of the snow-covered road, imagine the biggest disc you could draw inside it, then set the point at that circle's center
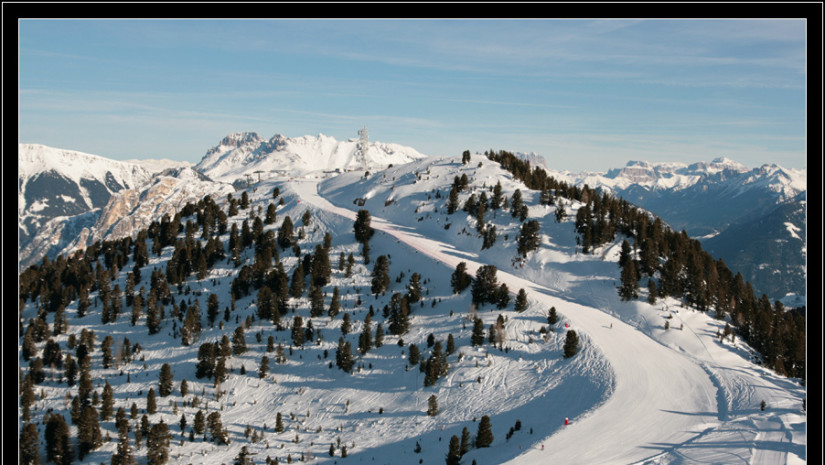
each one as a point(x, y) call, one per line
point(662, 398)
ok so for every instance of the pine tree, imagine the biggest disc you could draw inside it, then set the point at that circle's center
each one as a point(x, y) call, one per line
point(432, 406)
point(452, 200)
point(239, 341)
point(27, 396)
point(365, 339)
point(460, 279)
point(517, 204)
point(321, 268)
point(495, 201)
point(380, 275)
point(296, 289)
point(571, 344)
point(206, 361)
point(454, 453)
point(477, 337)
point(264, 368)
point(465, 157)
point(414, 355)
point(285, 233)
point(165, 380)
point(243, 457)
point(279, 423)
point(58, 441)
point(212, 308)
point(399, 315)
point(502, 296)
point(362, 228)
point(199, 426)
point(552, 317)
point(465, 441)
point(157, 444)
point(343, 356)
point(379, 336)
point(298, 331)
point(29, 445)
point(124, 454)
point(89, 437)
point(414, 288)
point(271, 214)
point(316, 301)
point(151, 402)
point(484, 437)
point(216, 430)
point(485, 285)
point(107, 408)
point(528, 239)
point(652, 294)
point(220, 371)
point(521, 301)
point(629, 288)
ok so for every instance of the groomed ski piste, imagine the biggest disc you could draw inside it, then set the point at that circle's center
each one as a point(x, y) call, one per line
point(635, 393)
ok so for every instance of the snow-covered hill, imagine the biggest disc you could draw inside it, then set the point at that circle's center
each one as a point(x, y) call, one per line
point(247, 153)
point(635, 393)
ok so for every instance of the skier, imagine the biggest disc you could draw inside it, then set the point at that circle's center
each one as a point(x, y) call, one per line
point(566, 422)
point(542, 447)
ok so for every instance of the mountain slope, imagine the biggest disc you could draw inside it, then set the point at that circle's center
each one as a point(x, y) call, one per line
point(770, 250)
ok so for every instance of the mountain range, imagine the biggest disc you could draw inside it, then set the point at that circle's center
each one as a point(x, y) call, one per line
point(68, 200)
point(650, 382)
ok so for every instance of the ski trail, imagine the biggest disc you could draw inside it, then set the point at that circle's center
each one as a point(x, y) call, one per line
point(771, 443)
point(661, 397)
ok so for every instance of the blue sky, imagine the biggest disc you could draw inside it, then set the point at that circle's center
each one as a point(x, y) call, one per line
point(586, 94)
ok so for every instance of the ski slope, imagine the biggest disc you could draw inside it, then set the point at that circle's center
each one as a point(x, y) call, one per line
point(683, 401)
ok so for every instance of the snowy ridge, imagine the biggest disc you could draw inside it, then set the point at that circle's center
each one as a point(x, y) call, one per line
point(74, 165)
point(246, 153)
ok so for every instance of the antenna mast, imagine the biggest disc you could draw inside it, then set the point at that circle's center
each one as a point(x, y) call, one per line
point(363, 146)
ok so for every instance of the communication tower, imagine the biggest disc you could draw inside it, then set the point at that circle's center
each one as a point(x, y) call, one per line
point(363, 146)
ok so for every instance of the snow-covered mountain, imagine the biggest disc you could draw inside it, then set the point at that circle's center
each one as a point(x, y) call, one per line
point(127, 212)
point(701, 198)
point(635, 393)
point(66, 198)
point(247, 153)
point(55, 183)
point(721, 198)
